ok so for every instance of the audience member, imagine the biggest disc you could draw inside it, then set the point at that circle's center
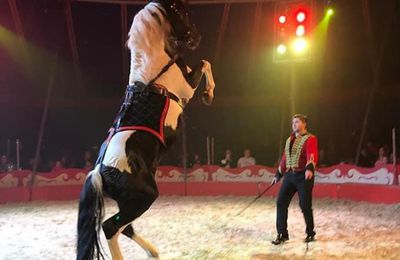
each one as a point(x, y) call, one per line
point(382, 157)
point(88, 166)
point(227, 162)
point(87, 161)
point(196, 161)
point(60, 164)
point(246, 160)
point(372, 149)
point(5, 164)
point(366, 159)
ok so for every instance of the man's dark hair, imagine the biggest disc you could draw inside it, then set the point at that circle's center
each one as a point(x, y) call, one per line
point(301, 117)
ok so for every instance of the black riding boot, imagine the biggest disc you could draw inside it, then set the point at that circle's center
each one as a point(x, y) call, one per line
point(310, 238)
point(280, 238)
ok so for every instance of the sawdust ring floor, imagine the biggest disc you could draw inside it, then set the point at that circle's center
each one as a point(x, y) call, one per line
point(205, 228)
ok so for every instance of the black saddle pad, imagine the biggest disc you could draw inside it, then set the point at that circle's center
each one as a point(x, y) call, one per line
point(147, 112)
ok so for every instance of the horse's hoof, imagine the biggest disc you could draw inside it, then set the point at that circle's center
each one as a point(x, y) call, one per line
point(207, 98)
point(153, 255)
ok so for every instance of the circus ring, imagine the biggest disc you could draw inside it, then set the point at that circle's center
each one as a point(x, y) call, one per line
point(356, 210)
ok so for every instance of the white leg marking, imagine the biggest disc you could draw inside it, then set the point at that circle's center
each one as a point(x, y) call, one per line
point(114, 246)
point(147, 246)
point(210, 83)
point(115, 155)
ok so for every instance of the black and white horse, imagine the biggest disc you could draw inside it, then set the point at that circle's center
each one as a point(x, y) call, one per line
point(160, 84)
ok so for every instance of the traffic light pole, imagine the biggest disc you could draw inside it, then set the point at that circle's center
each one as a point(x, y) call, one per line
point(292, 88)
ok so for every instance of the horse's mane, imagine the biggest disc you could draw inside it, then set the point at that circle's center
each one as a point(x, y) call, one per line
point(147, 39)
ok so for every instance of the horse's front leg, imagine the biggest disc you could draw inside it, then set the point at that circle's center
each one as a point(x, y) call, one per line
point(194, 78)
point(147, 246)
point(208, 94)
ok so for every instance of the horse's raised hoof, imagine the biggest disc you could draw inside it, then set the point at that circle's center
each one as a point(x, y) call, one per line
point(147, 246)
point(207, 98)
point(152, 254)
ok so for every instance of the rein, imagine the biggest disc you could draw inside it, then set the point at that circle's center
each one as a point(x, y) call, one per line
point(140, 87)
point(152, 87)
point(163, 70)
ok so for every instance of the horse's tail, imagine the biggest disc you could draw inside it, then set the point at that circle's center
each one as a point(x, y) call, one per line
point(90, 217)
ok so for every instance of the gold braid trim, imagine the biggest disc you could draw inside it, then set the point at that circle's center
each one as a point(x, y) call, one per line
point(292, 158)
point(287, 152)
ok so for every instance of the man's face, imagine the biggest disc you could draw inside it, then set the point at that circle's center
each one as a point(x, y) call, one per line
point(247, 153)
point(298, 125)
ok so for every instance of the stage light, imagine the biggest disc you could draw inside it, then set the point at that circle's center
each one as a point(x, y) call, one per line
point(330, 12)
point(293, 31)
point(300, 17)
point(299, 45)
point(300, 30)
point(281, 49)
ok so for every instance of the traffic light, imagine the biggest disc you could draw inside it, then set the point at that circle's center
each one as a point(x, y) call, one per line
point(293, 31)
point(329, 7)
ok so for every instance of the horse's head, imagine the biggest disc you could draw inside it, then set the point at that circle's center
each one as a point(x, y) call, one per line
point(161, 32)
point(184, 34)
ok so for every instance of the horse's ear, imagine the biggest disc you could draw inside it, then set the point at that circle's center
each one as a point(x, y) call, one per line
point(163, 3)
point(166, 3)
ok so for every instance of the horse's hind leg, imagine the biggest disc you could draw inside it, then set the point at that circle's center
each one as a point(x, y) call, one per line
point(112, 227)
point(129, 211)
point(147, 246)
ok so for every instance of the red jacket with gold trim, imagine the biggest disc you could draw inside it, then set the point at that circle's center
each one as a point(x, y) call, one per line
point(301, 153)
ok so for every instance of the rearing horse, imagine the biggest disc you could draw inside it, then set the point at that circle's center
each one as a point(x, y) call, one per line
point(160, 85)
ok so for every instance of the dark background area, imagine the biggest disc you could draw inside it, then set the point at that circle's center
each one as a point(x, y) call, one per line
point(251, 92)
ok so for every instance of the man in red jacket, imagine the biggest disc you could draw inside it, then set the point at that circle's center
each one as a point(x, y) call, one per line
point(297, 166)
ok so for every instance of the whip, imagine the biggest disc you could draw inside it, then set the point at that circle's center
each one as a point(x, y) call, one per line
point(255, 199)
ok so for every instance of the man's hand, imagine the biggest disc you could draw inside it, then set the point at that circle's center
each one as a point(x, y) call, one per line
point(309, 174)
point(274, 180)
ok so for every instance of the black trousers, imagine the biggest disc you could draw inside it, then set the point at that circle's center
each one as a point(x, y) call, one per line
point(295, 182)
